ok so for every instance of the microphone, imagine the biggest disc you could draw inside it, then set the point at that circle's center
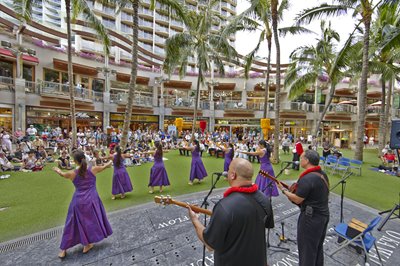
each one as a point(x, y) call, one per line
point(225, 174)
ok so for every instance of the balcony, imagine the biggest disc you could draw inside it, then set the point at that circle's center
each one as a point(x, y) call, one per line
point(139, 99)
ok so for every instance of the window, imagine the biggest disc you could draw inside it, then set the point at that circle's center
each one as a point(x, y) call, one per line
point(51, 75)
point(6, 69)
point(27, 73)
point(98, 85)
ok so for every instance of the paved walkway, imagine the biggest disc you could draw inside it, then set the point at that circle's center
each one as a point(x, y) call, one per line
point(153, 235)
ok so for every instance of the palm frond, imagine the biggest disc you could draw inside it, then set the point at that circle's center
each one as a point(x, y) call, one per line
point(294, 30)
point(324, 10)
point(299, 86)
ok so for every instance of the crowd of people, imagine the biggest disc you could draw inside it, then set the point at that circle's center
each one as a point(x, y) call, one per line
point(95, 151)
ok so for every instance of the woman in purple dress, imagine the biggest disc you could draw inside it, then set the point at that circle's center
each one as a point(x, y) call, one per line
point(86, 221)
point(158, 174)
point(267, 186)
point(229, 152)
point(121, 182)
point(197, 170)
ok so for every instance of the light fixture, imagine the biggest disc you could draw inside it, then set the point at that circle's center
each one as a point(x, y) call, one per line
point(6, 44)
point(31, 52)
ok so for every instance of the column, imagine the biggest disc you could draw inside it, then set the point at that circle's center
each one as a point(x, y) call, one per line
point(20, 104)
point(106, 95)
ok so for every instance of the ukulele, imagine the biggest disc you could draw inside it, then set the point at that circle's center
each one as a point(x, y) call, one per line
point(291, 188)
point(168, 200)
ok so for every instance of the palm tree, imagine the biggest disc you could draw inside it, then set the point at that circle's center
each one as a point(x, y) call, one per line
point(365, 9)
point(199, 40)
point(171, 6)
point(24, 8)
point(313, 63)
point(383, 61)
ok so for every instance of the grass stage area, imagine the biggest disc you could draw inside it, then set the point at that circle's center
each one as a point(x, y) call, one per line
point(32, 202)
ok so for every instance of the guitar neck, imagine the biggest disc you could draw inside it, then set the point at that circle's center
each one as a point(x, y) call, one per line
point(265, 174)
point(168, 200)
point(193, 207)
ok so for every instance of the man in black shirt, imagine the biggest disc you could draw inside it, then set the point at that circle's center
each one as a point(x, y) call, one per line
point(312, 196)
point(236, 231)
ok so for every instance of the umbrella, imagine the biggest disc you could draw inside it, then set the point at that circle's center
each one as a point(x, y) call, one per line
point(353, 102)
point(378, 103)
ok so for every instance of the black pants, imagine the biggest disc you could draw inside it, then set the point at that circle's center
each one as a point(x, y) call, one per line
point(311, 231)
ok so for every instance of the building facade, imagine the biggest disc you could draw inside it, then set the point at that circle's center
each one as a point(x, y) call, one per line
point(41, 95)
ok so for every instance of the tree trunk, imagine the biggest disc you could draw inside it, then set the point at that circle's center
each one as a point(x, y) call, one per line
point(387, 125)
point(274, 12)
point(328, 102)
point(266, 97)
point(132, 82)
point(70, 73)
point(363, 92)
point(382, 121)
point(196, 102)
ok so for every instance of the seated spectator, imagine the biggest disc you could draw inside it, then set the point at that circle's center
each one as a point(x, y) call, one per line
point(31, 162)
point(97, 160)
point(336, 152)
point(6, 165)
point(389, 158)
point(63, 161)
point(42, 154)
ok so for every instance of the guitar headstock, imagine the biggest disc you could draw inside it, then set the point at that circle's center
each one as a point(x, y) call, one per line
point(163, 200)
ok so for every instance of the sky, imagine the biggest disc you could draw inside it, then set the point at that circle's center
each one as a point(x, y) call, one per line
point(245, 41)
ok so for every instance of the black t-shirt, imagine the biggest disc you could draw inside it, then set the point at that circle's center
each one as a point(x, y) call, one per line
point(236, 230)
point(315, 192)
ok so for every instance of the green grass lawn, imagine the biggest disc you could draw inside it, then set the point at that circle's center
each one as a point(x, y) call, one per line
point(38, 201)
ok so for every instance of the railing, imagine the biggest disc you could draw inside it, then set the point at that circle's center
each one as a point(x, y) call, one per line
point(32, 87)
point(145, 11)
point(139, 99)
point(294, 106)
point(57, 89)
point(6, 83)
point(229, 104)
point(342, 108)
point(127, 17)
point(179, 102)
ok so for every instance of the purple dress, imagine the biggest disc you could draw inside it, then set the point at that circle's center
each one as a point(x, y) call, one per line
point(121, 182)
point(86, 220)
point(228, 159)
point(158, 174)
point(264, 183)
point(197, 169)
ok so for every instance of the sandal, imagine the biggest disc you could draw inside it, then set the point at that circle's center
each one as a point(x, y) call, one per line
point(151, 192)
point(62, 254)
point(87, 248)
point(113, 197)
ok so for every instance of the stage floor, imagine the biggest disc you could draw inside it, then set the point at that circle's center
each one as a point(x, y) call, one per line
point(152, 235)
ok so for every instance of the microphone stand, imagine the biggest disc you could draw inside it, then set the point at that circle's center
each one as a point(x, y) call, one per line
point(205, 205)
point(269, 187)
point(343, 182)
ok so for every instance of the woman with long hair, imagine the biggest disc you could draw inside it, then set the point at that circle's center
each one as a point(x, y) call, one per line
point(197, 170)
point(121, 182)
point(86, 221)
point(158, 174)
point(266, 185)
point(229, 152)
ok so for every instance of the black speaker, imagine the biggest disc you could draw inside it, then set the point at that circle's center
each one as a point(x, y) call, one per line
point(395, 135)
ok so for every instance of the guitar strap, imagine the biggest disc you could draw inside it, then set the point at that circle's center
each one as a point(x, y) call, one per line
point(323, 179)
point(269, 217)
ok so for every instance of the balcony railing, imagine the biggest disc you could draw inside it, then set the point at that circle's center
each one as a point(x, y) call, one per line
point(57, 89)
point(139, 99)
point(342, 108)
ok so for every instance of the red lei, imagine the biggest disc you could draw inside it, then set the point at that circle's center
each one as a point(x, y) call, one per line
point(309, 170)
point(253, 188)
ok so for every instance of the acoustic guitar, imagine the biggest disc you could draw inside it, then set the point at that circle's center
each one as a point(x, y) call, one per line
point(265, 174)
point(168, 200)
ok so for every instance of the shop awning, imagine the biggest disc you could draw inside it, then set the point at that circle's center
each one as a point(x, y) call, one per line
point(178, 84)
point(25, 57)
point(78, 68)
point(139, 79)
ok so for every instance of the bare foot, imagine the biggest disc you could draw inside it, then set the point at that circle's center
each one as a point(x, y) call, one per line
point(87, 248)
point(122, 196)
point(113, 197)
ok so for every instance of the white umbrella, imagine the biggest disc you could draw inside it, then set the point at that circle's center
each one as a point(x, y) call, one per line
point(378, 103)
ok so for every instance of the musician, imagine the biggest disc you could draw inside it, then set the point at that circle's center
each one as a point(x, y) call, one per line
point(236, 231)
point(311, 194)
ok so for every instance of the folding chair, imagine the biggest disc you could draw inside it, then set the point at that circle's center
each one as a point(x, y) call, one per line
point(341, 166)
point(330, 163)
point(364, 239)
point(356, 165)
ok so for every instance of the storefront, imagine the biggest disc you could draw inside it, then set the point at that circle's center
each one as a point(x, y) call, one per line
point(46, 117)
point(6, 117)
point(142, 122)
